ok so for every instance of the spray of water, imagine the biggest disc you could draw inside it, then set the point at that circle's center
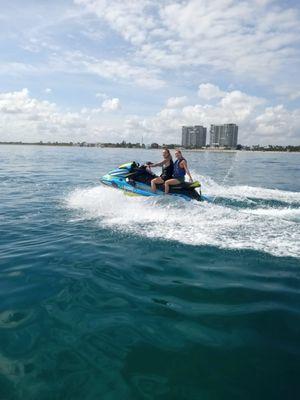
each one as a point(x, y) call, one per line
point(258, 224)
point(233, 161)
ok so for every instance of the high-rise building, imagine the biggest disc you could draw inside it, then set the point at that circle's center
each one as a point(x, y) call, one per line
point(193, 136)
point(224, 135)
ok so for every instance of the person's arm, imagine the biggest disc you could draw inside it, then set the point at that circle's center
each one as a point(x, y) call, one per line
point(183, 164)
point(157, 164)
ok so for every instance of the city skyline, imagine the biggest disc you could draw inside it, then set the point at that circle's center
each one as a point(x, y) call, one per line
point(193, 136)
point(104, 71)
point(225, 135)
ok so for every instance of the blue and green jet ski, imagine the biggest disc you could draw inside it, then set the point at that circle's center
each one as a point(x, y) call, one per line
point(135, 179)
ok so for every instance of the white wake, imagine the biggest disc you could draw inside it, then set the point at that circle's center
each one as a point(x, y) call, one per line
point(269, 229)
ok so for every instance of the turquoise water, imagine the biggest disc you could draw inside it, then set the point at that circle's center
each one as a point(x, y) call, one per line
point(105, 296)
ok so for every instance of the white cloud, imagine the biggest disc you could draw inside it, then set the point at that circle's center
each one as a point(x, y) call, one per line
point(289, 91)
point(111, 104)
point(150, 43)
point(48, 91)
point(108, 105)
point(130, 17)
point(209, 91)
point(21, 103)
point(175, 102)
point(257, 124)
point(23, 117)
point(240, 104)
point(101, 95)
point(277, 121)
point(16, 68)
point(115, 70)
point(256, 38)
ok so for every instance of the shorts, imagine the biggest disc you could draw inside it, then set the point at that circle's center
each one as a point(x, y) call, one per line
point(165, 177)
point(180, 179)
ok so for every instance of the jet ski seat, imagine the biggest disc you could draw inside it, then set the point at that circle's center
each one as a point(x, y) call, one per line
point(187, 185)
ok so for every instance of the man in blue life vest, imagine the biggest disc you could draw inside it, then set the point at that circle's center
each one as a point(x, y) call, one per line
point(180, 170)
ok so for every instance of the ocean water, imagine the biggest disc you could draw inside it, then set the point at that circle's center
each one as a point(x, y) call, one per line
point(105, 296)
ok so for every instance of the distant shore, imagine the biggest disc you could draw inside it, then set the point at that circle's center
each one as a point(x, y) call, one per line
point(237, 151)
point(137, 146)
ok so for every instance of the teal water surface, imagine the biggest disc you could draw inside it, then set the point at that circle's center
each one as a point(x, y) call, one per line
point(105, 296)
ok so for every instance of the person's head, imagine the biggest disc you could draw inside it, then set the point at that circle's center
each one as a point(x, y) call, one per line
point(178, 154)
point(166, 153)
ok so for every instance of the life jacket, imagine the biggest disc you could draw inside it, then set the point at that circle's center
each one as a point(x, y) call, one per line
point(178, 171)
point(167, 171)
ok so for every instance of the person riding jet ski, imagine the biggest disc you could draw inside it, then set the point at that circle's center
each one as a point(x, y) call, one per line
point(167, 169)
point(135, 179)
point(180, 170)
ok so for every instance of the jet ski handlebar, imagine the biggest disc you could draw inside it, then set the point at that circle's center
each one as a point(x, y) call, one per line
point(135, 164)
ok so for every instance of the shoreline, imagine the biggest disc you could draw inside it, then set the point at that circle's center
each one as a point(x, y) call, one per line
point(92, 145)
point(236, 151)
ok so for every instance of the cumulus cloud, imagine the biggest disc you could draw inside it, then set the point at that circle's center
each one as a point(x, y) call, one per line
point(257, 123)
point(23, 117)
point(175, 102)
point(20, 103)
point(209, 91)
point(111, 104)
point(277, 121)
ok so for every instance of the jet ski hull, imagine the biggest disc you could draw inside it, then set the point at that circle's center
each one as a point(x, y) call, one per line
point(136, 180)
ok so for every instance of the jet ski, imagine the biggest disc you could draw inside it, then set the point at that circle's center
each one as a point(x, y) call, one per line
point(135, 179)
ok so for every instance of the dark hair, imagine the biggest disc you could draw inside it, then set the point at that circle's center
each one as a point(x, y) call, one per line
point(166, 149)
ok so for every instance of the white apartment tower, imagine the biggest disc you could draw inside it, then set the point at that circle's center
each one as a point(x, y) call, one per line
point(193, 136)
point(224, 135)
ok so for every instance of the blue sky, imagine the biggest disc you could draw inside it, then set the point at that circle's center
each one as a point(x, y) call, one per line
point(99, 70)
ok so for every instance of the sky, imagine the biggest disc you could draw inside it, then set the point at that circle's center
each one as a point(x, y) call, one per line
point(107, 71)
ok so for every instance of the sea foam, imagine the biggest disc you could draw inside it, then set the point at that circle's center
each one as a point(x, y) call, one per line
point(267, 228)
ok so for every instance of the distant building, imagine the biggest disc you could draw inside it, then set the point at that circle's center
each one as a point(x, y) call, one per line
point(193, 136)
point(224, 135)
